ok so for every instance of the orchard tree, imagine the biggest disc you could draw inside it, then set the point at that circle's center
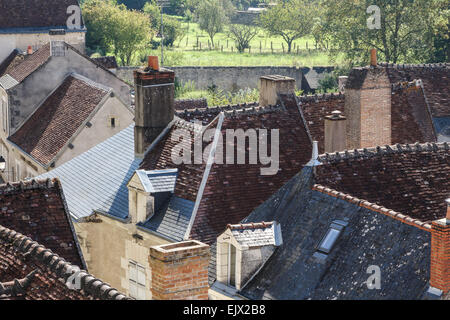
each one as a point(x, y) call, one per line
point(242, 35)
point(401, 30)
point(212, 17)
point(290, 19)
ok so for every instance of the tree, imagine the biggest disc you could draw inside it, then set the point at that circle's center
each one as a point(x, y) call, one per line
point(242, 35)
point(402, 31)
point(212, 17)
point(290, 19)
point(115, 28)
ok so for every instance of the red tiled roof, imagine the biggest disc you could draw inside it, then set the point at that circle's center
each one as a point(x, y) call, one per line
point(30, 63)
point(411, 179)
point(34, 13)
point(10, 62)
point(411, 118)
point(48, 130)
point(38, 210)
point(29, 271)
point(160, 157)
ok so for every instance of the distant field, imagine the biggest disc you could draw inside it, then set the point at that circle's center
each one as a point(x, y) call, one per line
point(186, 52)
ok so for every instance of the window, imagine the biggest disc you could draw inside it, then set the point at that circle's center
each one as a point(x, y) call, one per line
point(329, 240)
point(113, 122)
point(137, 279)
point(231, 265)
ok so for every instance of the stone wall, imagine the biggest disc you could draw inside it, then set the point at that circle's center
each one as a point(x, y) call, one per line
point(235, 78)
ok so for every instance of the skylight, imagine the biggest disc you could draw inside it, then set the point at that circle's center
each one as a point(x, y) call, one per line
point(329, 240)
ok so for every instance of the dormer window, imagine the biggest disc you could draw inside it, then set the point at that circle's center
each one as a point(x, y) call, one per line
point(149, 191)
point(243, 249)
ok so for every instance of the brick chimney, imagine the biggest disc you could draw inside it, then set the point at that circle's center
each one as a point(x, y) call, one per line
point(368, 107)
point(272, 86)
point(30, 50)
point(440, 253)
point(180, 271)
point(155, 94)
point(335, 132)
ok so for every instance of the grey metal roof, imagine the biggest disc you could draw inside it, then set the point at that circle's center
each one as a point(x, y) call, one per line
point(172, 220)
point(442, 126)
point(250, 236)
point(370, 239)
point(158, 180)
point(97, 179)
point(8, 82)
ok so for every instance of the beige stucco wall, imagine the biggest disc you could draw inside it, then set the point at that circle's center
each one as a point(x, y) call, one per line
point(108, 245)
point(21, 41)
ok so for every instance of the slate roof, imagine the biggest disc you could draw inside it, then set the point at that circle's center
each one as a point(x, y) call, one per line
point(108, 62)
point(401, 251)
point(30, 271)
point(55, 122)
point(413, 180)
point(172, 220)
point(97, 179)
point(158, 180)
point(442, 126)
point(257, 234)
point(38, 210)
point(20, 71)
point(29, 15)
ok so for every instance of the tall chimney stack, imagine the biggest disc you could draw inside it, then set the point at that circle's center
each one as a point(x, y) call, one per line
point(272, 86)
point(155, 94)
point(440, 253)
point(335, 132)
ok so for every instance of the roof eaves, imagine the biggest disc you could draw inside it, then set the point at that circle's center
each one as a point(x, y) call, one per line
point(374, 207)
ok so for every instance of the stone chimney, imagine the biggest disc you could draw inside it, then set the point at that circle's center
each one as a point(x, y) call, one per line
point(180, 271)
point(155, 94)
point(440, 253)
point(335, 132)
point(368, 107)
point(272, 86)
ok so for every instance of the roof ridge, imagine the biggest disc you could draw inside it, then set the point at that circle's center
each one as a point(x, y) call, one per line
point(441, 65)
point(216, 108)
point(366, 153)
point(372, 206)
point(10, 187)
point(321, 97)
point(59, 266)
point(258, 225)
point(88, 81)
point(397, 86)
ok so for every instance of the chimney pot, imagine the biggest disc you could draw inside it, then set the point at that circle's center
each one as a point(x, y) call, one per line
point(153, 63)
point(30, 50)
point(373, 57)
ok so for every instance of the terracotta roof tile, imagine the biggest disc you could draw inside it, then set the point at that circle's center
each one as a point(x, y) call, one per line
point(48, 130)
point(411, 179)
point(10, 62)
point(38, 210)
point(30, 271)
point(30, 63)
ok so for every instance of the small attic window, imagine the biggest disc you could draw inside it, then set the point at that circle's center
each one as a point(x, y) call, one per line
point(113, 122)
point(329, 240)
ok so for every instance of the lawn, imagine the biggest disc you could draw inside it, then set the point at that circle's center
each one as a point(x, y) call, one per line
point(265, 51)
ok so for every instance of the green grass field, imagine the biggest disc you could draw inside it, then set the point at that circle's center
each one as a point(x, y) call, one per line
point(265, 51)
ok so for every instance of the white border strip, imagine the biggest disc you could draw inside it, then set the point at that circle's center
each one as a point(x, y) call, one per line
point(209, 164)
